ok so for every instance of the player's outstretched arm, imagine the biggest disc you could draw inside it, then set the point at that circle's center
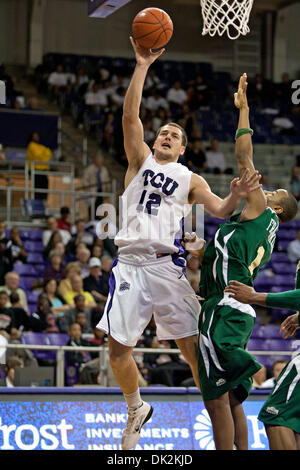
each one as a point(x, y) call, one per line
point(135, 147)
point(201, 193)
point(256, 201)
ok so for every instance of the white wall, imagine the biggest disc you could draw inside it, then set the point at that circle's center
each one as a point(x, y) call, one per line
point(287, 42)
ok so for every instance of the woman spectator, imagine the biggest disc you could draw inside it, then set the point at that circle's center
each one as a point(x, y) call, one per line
point(43, 318)
point(57, 302)
point(60, 248)
point(55, 238)
point(65, 285)
point(56, 269)
point(17, 248)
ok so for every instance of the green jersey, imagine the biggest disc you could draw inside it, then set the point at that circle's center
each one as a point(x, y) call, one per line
point(237, 252)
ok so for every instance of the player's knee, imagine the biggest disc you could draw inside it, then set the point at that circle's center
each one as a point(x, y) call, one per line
point(119, 357)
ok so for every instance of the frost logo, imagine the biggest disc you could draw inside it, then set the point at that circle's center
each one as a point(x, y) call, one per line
point(204, 432)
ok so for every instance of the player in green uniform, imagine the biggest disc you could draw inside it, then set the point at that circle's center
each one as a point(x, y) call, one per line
point(239, 248)
point(281, 412)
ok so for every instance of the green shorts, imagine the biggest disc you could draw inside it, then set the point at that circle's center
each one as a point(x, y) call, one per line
point(282, 408)
point(225, 326)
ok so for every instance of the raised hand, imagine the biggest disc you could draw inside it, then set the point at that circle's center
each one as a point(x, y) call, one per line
point(240, 98)
point(144, 56)
point(245, 185)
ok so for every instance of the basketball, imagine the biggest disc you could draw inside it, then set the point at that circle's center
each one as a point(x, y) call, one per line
point(152, 28)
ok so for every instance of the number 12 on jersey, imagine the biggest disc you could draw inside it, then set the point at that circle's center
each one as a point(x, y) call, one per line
point(152, 204)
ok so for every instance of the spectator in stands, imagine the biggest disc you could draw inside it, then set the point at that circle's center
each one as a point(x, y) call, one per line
point(277, 367)
point(55, 238)
point(216, 160)
point(195, 157)
point(81, 81)
point(57, 81)
point(108, 132)
point(11, 286)
point(65, 285)
point(17, 248)
point(82, 320)
point(96, 99)
point(153, 81)
point(21, 318)
point(57, 302)
point(295, 183)
point(60, 249)
point(6, 258)
point(293, 249)
point(188, 121)
point(94, 282)
point(43, 318)
point(80, 235)
point(284, 89)
point(6, 314)
point(193, 272)
point(74, 358)
point(64, 222)
point(77, 288)
point(10, 366)
point(176, 96)
point(260, 90)
point(117, 98)
point(38, 152)
point(51, 227)
point(106, 263)
point(96, 178)
point(69, 316)
point(283, 125)
point(97, 250)
point(161, 118)
point(82, 257)
point(203, 91)
point(56, 270)
point(33, 104)
point(155, 101)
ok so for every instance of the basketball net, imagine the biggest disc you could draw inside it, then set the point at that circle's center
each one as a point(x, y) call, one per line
point(230, 16)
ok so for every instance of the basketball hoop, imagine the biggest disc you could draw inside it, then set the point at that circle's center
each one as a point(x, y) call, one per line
point(230, 16)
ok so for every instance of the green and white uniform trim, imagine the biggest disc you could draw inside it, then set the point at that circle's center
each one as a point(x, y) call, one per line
point(237, 251)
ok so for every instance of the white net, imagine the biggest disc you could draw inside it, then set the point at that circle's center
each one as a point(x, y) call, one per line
point(230, 16)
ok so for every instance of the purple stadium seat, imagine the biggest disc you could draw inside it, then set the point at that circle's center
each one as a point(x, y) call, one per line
point(269, 360)
point(37, 338)
point(36, 234)
point(32, 297)
point(284, 281)
point(24, 234)
point(286, 234)
point(283, 244)
point(58, 339)
point(279, 257)
point(279, 344)
point(35, 258)
point(256, 344)
point(24, 269)
point(268, 331)
point(283, 268)
point(26, 282)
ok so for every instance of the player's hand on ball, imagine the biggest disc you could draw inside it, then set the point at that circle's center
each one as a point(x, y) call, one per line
point(245, 185)
point(240, 98)
point(145, 56)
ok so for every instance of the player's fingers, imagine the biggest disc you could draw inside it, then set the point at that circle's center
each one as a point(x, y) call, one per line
point(255, 188)
point(235, 283)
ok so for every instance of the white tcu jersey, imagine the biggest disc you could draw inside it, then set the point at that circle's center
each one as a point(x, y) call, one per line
point(153, 208)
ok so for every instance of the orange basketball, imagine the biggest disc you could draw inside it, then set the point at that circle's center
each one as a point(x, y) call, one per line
point(152, 28)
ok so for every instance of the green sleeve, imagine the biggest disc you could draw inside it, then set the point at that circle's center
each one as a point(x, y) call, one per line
point(289, 300)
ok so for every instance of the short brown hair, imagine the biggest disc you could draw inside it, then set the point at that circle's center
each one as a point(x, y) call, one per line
point(289, 206)
point(184, 139)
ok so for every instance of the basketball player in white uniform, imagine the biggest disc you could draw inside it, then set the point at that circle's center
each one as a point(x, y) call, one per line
point(148, 275)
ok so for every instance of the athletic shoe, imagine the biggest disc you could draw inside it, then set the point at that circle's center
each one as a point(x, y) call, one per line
point(136, 419)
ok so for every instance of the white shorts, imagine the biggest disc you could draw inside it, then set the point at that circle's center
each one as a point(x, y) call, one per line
point(139, 290)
